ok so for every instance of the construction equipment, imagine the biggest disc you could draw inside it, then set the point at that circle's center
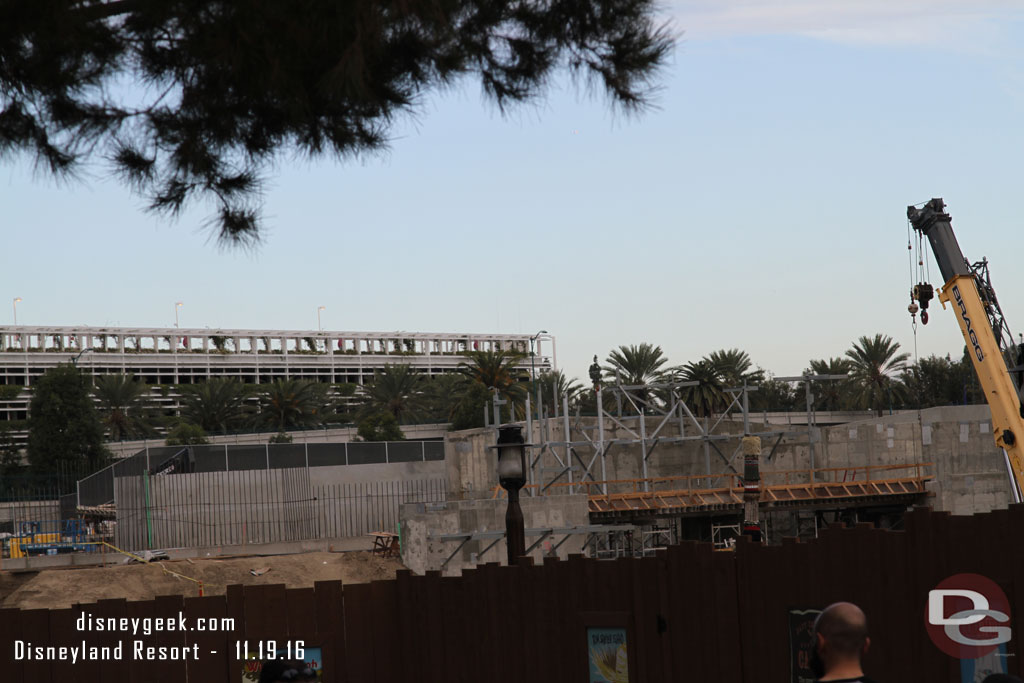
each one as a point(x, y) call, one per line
point(72, 536)
point(996, 358)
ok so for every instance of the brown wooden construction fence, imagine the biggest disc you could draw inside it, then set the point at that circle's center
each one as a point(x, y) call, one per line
point(694, 614)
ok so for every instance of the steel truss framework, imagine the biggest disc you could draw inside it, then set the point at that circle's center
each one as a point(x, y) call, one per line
point(678, 424)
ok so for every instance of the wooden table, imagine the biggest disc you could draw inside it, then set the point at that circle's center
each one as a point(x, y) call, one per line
point(385, 543)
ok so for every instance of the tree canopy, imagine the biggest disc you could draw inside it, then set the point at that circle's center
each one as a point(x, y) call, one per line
point(497, 370)
point(195, 99)
point(124, 406)
point(396, 389)
point(291, 404)
point(216, 405)
point(63, 426)
point(874, 361)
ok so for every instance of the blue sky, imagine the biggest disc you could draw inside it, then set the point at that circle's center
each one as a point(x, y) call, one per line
point(760, 206)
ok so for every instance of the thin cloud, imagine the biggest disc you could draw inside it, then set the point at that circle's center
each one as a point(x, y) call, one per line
point(956, 24)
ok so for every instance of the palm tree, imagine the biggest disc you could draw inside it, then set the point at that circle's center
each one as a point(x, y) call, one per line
point(443, 394)
point(291, 403)
point(397, 389)
point(123, 406)
point(216, 405)
point(709, 394)
point(553, 386)
point(498, 370)
point(773, 395)
point(831, 395)
point(636, 365)
point(874, 361)
point(733, 367)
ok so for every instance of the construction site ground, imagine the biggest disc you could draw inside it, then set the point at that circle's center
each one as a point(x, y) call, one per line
point(59, 588)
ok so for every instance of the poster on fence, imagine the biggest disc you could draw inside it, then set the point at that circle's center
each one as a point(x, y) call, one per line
point(608, 655)
point(801, 643)
point(295, 666)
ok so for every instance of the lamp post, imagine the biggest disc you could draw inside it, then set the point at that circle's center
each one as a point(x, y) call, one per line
point(177, 305)
point(318, 325)
point(16, 300)
point(512, 476)
point(533, 372)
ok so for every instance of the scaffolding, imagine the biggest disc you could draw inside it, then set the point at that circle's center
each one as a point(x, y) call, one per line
point(676, 423)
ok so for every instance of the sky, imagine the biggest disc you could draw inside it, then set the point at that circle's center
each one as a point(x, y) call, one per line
point(761, 205)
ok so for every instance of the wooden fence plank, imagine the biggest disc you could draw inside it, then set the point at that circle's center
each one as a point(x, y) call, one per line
point(748, 605)
point(406, 633)
point(330, 619)
point(559, 620)
point(266, 613)
point(64, 634)
point(384, 597)
point(300, 606)
point(469, 625)
point(115, 669)
point(728, 608)
point(360, 648)
point(139, 670)
point(1013, 522)
point(35, 631)
point(679, 612)
point(11, 630)
point(214, 639)
point(170, 671)
point(519, 618)
point(646, 598)
point(234, 600)
point(534, 615)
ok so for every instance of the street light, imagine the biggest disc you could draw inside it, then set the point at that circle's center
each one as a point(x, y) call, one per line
point(177, 305)
point(512, 476)
point(318, 325)
point(16, 300)
point(533, 372)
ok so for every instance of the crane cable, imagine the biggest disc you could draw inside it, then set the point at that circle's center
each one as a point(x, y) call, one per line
point(913, 325)
point(910, 267)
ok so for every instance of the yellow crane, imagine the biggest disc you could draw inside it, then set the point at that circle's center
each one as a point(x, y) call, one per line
point(996, 358)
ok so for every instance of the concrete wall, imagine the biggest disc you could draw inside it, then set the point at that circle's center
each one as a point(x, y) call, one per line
point(400, 471)
point(970, 474)
point(122, 449)
point(968, 467)
point(421, 552)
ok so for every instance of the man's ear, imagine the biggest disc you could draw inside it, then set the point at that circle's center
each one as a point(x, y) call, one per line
point(867, 644)
point(819, 641)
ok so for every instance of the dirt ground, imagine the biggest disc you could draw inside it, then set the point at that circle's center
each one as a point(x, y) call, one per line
point(56, 588)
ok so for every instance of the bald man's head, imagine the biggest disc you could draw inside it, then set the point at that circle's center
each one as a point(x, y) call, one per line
point(844, 628)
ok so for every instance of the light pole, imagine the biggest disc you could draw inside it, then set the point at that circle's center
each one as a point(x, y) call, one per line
point(318, 325)
point(177, 305)
point(512, 476)
point(16, 300)
point(533, 372)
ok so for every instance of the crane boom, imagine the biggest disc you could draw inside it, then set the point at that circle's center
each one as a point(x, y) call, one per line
point(995, 357)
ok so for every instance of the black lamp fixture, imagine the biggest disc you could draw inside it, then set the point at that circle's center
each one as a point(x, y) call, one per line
point(512, 476)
